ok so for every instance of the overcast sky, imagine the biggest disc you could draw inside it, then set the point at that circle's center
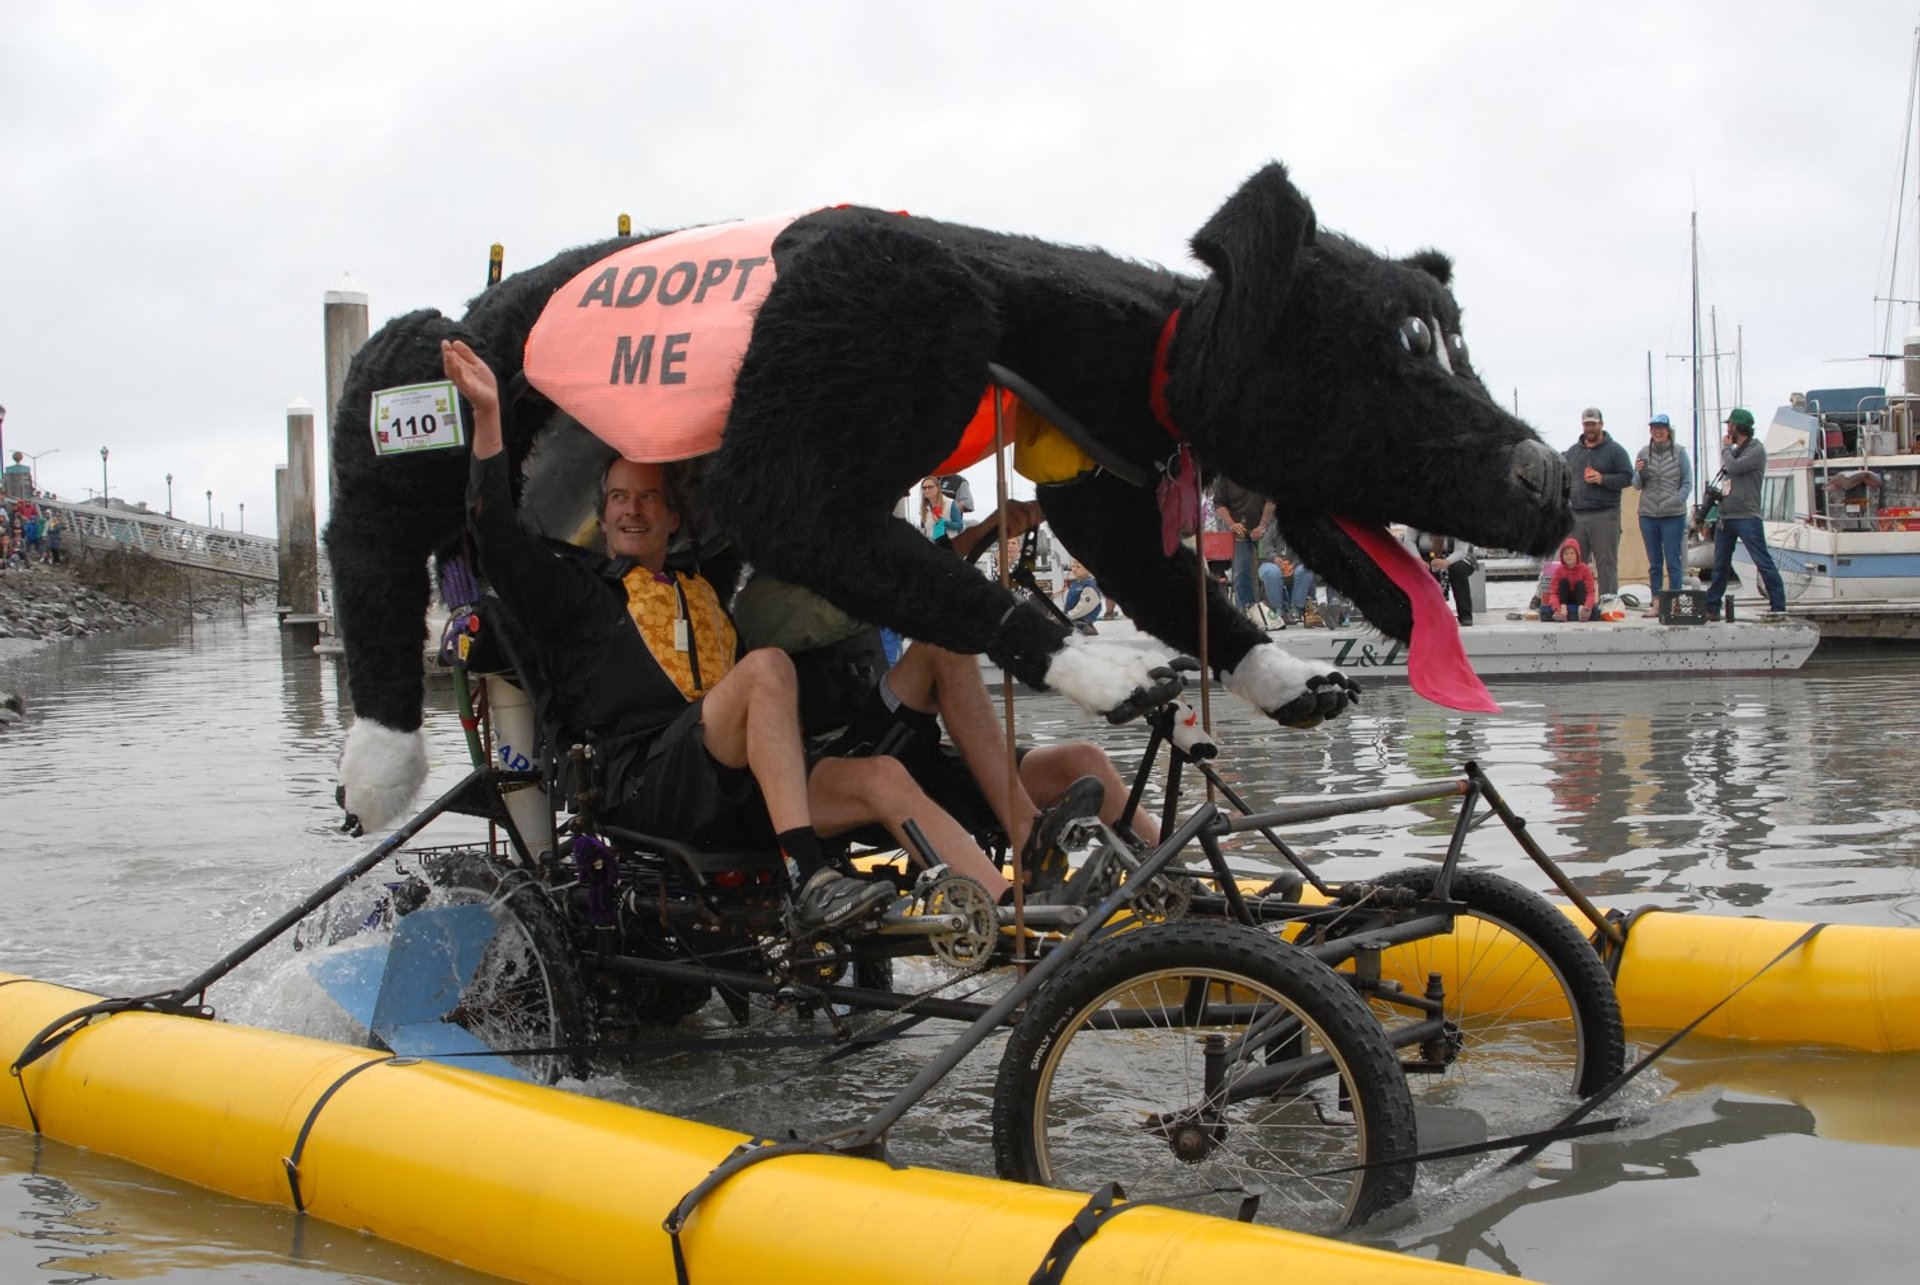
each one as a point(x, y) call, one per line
point(180, 184)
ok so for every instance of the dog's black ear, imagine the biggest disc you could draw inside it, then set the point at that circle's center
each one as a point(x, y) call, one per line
point(1434, 264)
point(1252, 245)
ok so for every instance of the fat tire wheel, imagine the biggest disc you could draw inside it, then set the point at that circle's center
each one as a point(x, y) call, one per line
point(1521, 1020)
point(527, 992)
point(1078, 1103)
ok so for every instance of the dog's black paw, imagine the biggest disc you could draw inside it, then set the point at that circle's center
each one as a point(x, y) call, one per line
point(1326, 696)
point(1165, 684)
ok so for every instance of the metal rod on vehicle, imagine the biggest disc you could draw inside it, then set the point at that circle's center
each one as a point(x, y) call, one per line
point(1517, 827)
point(1020, 958)
point(951, 1056)
point(1320, 809)
point(1241, 806)
point(314, 900)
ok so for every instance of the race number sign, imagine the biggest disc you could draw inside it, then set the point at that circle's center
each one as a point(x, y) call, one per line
point(416, 417)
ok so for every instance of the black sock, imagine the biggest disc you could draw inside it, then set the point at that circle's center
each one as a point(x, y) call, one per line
point(801, 849)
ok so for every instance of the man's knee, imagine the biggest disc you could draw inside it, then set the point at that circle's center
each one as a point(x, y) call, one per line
point(882, 783)
point(766, 668)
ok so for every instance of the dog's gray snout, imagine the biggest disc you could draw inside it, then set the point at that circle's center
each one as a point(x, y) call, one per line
point(1540, 471)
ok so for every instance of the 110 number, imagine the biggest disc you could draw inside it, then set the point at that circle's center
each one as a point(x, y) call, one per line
point(414, 426)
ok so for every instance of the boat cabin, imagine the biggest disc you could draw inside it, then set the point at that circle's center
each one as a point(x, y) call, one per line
point(1841, 498)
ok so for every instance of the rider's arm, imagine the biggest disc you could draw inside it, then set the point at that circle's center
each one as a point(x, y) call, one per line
point(545, 592)
point(1022, 516)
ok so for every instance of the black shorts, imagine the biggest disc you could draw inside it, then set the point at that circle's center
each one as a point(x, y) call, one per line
point(914, 739)
point(684, 793)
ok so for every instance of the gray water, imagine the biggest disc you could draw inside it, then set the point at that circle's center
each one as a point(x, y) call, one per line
point(171, 792)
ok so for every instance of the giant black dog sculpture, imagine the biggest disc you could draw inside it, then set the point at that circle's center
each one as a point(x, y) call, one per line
point(1304, 366)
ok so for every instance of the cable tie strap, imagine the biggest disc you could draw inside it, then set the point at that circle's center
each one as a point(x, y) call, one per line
point(1610, 954)
point(1620, 1081)
point(292, 1162)
point(744, 1156)
point(1101, 1208)
point(61, 1029)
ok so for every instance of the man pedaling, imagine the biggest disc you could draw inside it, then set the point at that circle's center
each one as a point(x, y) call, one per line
point(853, 704)
point(698, 741)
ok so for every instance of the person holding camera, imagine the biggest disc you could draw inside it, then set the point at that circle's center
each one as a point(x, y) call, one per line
point(1743, 462)
point(1665, 479)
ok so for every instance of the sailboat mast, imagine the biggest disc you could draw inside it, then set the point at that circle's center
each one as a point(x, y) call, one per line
point(1700, 473)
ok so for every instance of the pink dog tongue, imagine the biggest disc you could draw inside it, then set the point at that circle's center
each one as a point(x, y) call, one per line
point(1437, 664)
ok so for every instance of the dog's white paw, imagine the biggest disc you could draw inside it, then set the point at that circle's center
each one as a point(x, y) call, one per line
point(1116, 679)
point(381, 770)
point(1299, 693)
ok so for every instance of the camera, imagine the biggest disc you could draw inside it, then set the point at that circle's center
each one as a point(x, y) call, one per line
point(1709, 501)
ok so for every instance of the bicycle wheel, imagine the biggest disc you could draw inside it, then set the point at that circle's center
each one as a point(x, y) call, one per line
point(1200, 1063)
point(527, 991)
point(1531, 1001)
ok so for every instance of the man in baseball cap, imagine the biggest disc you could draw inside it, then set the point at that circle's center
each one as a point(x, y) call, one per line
point(1601, 471)
point(1743, 463)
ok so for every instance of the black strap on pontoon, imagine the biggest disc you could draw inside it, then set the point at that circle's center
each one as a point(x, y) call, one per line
point(1575, 1123)
point(1592, 1104)
point(292, 1162)
point(1610, 954)
point(61, 1029)
point(1102, 1207)
point(745, 1156)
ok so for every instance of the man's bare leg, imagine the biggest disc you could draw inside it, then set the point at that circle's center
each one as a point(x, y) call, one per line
point(1047, 770)
point(751, 719)
point(846, 793)
point(934, 680)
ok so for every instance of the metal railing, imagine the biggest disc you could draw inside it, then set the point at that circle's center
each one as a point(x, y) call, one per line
point(169, 539)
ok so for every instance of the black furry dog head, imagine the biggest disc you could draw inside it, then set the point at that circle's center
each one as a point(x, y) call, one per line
point(1337, 381)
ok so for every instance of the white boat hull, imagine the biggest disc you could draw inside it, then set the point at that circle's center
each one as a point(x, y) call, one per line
point(1530, 649)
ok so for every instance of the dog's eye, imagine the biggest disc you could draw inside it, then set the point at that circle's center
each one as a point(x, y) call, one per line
point(1415, 337)
point(1457, 346)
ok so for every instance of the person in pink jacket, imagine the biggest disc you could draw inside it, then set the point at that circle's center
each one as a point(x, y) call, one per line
point(1572, 591)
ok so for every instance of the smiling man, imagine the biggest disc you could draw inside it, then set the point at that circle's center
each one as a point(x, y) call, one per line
point(696, 741)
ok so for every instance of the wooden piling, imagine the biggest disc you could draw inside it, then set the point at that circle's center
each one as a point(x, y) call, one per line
point(283, 531)
point(346, 330)
point(299, 541)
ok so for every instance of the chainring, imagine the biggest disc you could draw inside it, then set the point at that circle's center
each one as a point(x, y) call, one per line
point(971, 946)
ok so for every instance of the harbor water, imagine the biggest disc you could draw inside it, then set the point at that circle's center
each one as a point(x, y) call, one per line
point(171, 791)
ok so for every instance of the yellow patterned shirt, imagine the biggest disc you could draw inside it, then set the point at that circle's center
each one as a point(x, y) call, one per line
point(661, 606)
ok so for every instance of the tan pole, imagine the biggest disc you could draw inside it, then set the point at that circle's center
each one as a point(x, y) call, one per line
point(346, 330)
point(300, 547)
point(1020, 959)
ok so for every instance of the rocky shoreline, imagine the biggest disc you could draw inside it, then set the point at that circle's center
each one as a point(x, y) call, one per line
point(98, 593)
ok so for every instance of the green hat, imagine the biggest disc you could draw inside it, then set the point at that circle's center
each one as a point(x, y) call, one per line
point(1741, 418)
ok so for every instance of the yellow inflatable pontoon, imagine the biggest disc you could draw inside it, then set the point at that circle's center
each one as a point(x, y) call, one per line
point(537, 1184)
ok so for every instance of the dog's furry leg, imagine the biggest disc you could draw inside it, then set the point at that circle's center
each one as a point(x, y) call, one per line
point(1114, 528)
point(381, 770)
point(1299, 693)
point(388, 515)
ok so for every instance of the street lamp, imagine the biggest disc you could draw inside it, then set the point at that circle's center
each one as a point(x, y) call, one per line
point(103, 477)
point(33, 479)
point(209, 508)
point(243, 517)
point(169, 495)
